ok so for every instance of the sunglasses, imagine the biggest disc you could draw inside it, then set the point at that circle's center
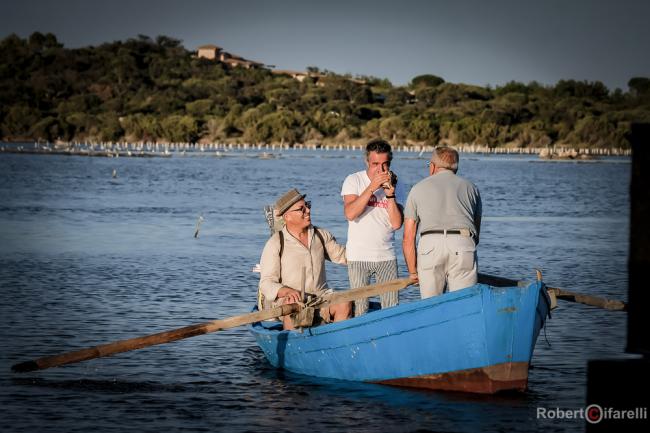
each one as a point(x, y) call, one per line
point(302, 209)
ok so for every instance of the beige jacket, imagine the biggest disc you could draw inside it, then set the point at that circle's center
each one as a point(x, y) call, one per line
point(294, 256)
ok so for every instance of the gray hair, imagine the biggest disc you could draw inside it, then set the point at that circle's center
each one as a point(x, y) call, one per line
point(445, 157)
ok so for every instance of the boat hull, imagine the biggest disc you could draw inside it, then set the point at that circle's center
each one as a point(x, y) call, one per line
point(482, 380)
point(479, 339)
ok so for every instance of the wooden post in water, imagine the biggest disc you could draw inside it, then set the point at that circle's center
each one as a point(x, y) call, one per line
point(639, 261)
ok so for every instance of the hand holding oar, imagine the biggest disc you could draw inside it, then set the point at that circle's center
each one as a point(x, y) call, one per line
point(198, 329)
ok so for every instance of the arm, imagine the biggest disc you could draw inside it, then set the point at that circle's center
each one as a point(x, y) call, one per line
point(394, 210)
point(270, 285)
point(408, 246)
point(335, 250)
point(354, 205)
point(394, 214)
point(478, 216)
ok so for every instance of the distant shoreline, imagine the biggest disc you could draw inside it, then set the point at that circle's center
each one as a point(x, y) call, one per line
point(166, 150)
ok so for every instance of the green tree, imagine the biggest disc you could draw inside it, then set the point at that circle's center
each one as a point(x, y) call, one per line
point(199, 108)
point(426, 80)
point(424, 129)
point(639, 86)
point(392, 128)
point(47, 129)
point(19, 120)
point(329, 123)
point(581, 89)
point(183, 129)
point(154, 89)
point(109, 127)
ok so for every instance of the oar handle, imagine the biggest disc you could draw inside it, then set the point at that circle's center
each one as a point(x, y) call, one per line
point(565, 295)
point(594, 301)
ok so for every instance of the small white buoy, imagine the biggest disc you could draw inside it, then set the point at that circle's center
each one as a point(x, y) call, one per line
point(114, 173)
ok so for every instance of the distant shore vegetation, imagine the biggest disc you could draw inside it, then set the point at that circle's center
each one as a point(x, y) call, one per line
point(155, 90)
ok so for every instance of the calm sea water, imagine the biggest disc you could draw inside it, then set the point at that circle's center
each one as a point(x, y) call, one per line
point(86, 258)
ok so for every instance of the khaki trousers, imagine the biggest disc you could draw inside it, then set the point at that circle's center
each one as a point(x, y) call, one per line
point(446, 261)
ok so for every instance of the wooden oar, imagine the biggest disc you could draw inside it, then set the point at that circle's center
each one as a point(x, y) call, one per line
point(153, 339)
point(565, 295)
point(594, 301)
point(366, 291)
point(198, 329)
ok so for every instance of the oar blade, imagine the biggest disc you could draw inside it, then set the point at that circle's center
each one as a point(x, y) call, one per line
point(24, 367)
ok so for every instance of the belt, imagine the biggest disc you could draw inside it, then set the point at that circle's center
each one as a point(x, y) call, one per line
point(464, 232)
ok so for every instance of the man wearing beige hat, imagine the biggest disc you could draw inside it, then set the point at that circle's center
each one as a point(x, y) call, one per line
point(295, 256)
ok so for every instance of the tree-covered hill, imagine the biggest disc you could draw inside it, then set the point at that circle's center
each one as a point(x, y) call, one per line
point(155, 90)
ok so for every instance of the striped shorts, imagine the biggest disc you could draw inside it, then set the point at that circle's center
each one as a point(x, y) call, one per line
point(360, 274)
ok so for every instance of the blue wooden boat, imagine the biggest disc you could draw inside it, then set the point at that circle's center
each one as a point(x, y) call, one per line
point(479, 339)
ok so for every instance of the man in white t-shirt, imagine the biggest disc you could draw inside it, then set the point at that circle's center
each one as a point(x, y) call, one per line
point(373, 207)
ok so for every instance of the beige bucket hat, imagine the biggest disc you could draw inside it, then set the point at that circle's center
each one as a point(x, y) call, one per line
point(287, 200)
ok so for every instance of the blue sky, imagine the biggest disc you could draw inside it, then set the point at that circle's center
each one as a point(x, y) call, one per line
point(468, 41)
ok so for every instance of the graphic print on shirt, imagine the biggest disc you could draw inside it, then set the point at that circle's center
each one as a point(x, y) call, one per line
point(372, 202)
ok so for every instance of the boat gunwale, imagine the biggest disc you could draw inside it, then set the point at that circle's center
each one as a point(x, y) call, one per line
point(384, 314)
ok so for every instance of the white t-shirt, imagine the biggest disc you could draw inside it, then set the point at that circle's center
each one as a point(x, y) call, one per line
point(370, 236)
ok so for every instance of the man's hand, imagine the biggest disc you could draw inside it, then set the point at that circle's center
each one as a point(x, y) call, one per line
point(389, 188)
point(413, 278)
point(378, 181)
point(289, 295)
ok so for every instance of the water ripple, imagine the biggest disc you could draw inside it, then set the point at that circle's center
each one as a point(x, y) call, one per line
point(86, 259)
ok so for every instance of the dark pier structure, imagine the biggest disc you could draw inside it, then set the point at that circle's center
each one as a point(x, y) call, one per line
point(624, 384)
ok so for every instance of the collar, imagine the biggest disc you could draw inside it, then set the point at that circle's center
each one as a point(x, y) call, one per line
point(310, 235)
